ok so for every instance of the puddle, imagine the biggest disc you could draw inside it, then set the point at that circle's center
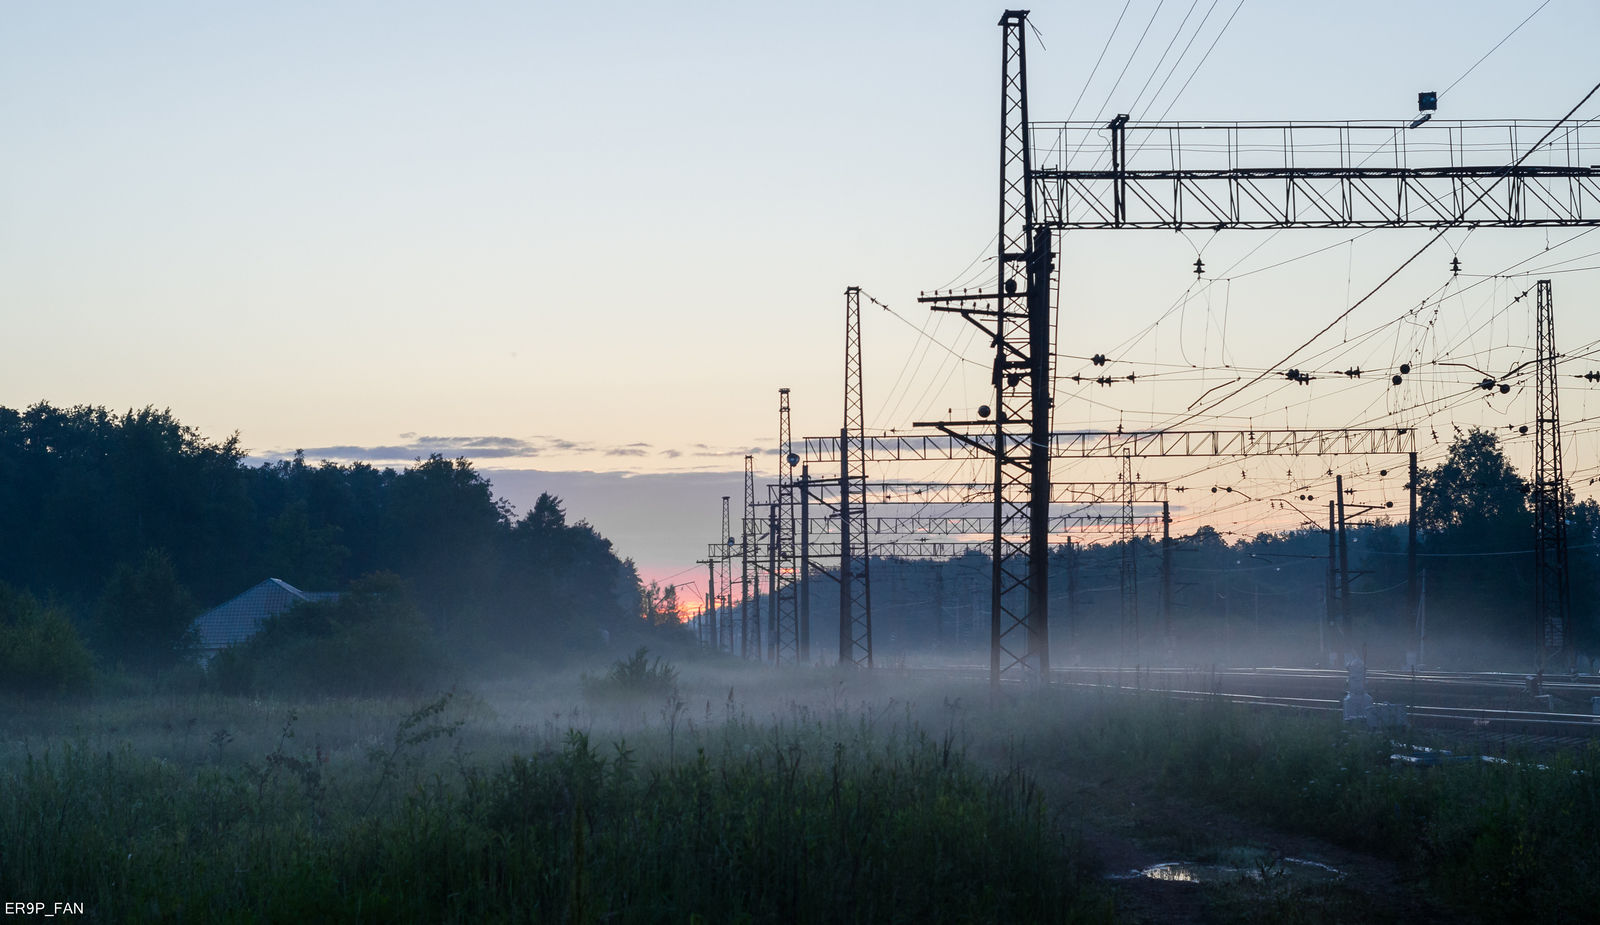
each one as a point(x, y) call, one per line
point(1291, 869)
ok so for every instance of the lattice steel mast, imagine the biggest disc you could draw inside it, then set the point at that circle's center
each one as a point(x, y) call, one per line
point(751, 554)
point(855, 585)
point(1020, 594)
point(1552, 590)
point(784, 647)
point(725, 571)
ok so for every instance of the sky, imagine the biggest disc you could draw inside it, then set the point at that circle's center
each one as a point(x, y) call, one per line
point(584, 246)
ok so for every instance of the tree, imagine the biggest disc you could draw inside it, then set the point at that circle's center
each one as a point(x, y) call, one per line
point(1474, 519)
point(40, 651)
point(660, 606)
point(146, 617)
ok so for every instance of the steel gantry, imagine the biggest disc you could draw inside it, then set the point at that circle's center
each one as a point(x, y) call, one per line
point(1216, 175)
point(959, 441)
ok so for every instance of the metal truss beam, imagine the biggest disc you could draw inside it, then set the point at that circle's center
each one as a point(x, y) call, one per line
point(1167, 175)
point(944, 447)
point(937, 493)
point(950, 549)
point(934, 525)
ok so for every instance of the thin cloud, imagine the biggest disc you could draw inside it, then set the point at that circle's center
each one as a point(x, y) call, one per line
point(413, 447)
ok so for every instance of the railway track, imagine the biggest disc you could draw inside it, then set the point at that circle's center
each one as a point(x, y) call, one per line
point(1494, 705)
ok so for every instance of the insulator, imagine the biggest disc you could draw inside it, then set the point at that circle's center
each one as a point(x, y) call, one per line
point(1383, 472)
point(1523, 429)
point(1011, 286)
point(1486, 384)
point(794, 459)
point(1098, 359)
point(1397, 380)
point(1405, 369)
point(1505, 389)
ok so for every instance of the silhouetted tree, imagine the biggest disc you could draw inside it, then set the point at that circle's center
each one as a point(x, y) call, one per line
point(146, 617)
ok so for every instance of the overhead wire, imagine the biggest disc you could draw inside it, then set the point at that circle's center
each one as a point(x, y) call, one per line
point(1489, 187)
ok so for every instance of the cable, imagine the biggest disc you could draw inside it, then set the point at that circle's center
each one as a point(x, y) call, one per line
point(1495, 48)
point(1420, 251)
point(1131, 56)
point(1097, 61)
point(1202, 63)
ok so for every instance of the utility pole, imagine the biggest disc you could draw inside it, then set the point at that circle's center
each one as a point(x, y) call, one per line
point(1552, 590)
point(855, 585)
point(1412, 589)
point(710, 613)
point(805, 565)
point(1130, 566)
point(772, 583)
point(1344, 565)
point(726, 559)
point(1072, 597)
point(1166, 581)
point(1333, 558)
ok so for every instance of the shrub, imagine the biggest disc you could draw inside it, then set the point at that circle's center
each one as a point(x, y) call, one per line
point(371, 640)
point(632, 680)
point(145, 619)
point(40, 650)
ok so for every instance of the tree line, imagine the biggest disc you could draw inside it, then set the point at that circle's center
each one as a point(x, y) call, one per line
point(129, 524)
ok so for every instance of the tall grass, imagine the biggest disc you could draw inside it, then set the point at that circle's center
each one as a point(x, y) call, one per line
point(814, 821)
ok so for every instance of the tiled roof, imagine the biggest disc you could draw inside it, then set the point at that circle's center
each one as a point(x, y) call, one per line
point(240, 618)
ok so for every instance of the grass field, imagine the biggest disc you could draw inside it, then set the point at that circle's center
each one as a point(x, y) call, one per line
point(745, 796)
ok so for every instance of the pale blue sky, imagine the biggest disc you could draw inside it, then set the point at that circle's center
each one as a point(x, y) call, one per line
point(601, 237)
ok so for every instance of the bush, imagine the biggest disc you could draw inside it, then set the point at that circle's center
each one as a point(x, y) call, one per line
point(372, 640)
point(40, 650)
point(146, 617)
point(633, 680)
point(231, 671)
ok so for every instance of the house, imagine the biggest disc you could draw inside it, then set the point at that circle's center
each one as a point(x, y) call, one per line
point(240, 618)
